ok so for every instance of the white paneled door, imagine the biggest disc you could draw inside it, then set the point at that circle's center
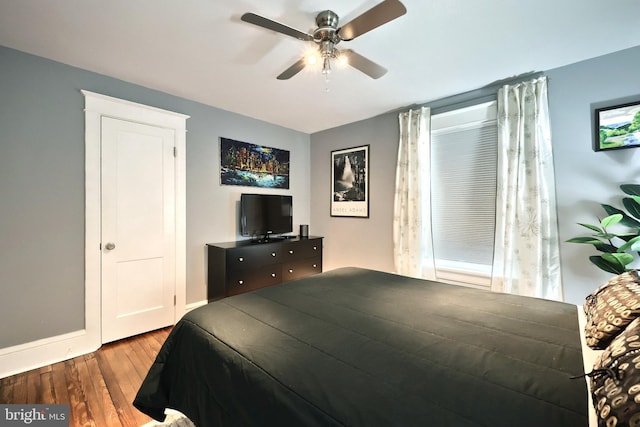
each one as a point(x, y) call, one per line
point(138, 242)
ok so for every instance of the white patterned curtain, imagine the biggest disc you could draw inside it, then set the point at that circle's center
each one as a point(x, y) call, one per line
point(526, 259)
point(412, 243)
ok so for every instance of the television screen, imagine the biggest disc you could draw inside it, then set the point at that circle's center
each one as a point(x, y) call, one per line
point(262, 215)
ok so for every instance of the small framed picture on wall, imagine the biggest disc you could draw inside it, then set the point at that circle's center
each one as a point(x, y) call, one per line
point(350, 182)
point(617, 127)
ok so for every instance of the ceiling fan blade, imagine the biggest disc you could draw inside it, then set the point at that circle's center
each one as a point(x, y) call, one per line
point(293, 70)
point(261, 21)
point(363, 64)
point(378, 15)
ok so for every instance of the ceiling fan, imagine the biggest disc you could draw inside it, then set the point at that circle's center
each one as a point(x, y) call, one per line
point(327, 35)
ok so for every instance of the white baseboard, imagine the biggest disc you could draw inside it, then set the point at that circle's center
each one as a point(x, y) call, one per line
point(46, 351)
point(195, 305)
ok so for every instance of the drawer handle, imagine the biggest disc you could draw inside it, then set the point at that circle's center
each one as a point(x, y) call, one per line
point(241, 259)
point(273, 254)
point(291, 251)
point(290, 270)
point(273, 274)
point(315, 248)
point(240, 282)
point(315, 265)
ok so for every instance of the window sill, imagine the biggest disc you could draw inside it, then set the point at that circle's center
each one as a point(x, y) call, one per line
point(465, 274)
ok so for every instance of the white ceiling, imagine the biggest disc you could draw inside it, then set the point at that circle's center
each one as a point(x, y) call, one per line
point(200, 50)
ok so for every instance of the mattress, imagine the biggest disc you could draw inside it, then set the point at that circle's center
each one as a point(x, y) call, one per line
point(356, 347)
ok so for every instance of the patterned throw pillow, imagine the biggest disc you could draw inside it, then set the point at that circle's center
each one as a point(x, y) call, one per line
point(611, 308)
point(615, 380)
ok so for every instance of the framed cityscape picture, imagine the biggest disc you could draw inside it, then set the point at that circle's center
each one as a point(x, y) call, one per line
point(617, 127)
point(350, 182)
point(253, 165)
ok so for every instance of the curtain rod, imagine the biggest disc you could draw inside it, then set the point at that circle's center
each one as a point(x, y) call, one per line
point(483, 94)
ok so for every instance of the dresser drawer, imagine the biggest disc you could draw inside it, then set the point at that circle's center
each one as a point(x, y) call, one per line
point(302, 249)
point(300, 268)
point(244, 280)
point(254, 256)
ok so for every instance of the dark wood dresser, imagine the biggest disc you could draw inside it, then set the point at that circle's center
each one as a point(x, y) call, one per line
point(244, 265)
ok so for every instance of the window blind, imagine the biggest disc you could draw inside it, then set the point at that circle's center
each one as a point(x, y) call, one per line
point(464, 154)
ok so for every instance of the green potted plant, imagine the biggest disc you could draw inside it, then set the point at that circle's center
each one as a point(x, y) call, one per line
point(618, 249)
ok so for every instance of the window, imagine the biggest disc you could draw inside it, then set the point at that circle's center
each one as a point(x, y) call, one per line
point(464, 150)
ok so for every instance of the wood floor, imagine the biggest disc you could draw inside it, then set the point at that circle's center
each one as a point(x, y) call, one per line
point(99, 387)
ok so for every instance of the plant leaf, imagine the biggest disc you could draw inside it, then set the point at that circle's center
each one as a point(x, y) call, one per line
point(604, 247)
point(607, 236)
point(631, 189)
point(632, 244)
point(635, 244)
point(602, 264)
point(611, 210)
point(626, 219)
point(622, 258)
point(632, 206)
point(589, 240)
point(626, 236)
point(611, 220)
point(591, 227)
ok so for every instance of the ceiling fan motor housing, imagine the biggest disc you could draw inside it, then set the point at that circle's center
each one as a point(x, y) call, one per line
point(327, 22)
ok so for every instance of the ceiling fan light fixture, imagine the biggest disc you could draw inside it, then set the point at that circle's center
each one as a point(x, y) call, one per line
point(311, 58)
point(341, 59)
point(326, 65)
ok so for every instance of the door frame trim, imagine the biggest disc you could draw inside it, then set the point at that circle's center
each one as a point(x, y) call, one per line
point(96, 107)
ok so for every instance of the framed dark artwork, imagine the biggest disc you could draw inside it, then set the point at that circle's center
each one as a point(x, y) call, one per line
point(617, 127)
point(350, 182)
point(252, 165)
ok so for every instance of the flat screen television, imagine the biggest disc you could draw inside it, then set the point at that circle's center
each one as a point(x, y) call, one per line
point(263, 216)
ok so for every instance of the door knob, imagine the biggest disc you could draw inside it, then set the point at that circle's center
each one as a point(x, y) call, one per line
point(110, 246)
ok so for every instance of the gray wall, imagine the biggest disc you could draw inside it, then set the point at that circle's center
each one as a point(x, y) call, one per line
point(584, 178)
point(42, 182)
point(42, 188)
point(360, 242)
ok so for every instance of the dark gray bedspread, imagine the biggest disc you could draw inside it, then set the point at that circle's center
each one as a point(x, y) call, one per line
point(364, 348)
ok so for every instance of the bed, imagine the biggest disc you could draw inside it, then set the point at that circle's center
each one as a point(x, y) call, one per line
point(356, 347)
